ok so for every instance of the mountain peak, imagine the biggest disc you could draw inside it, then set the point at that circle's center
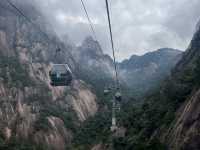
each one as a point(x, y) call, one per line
point(166, 49)
point(198, 25)
point(155, 56)
point(92, 46)
point(164, 52)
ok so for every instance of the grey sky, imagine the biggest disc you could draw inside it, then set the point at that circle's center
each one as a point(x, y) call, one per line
point(139, 26)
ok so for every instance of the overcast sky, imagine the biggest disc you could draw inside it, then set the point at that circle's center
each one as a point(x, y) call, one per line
point(139, 26)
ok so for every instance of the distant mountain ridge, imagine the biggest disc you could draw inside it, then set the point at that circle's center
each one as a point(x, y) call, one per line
point(142, 73)
point(156, 56)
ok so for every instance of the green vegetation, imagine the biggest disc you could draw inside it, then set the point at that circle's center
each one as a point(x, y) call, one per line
point(49, 108)
point(197, 72)
point(98, 79)
point(94, 130)
point(13, 73)
point(68, 116)
point(14, 144)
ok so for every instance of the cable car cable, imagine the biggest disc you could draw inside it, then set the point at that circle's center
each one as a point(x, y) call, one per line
point(117, 95)
point(112, 44)
point(29, 20)
point(89, 20)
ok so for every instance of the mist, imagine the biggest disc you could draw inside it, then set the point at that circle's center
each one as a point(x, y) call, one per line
point(139, 26)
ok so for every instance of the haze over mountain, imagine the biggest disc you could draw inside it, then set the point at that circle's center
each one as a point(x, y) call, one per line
point(143, 73)
point(138, 26)
point(137, 30)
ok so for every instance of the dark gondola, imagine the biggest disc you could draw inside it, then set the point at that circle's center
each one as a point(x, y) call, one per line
point(60, 75)
point(106, 92)
point(118, 96)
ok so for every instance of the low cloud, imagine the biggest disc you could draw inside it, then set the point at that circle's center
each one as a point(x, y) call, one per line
point(139, 26)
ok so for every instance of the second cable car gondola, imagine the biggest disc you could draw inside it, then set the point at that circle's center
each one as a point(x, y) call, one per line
point(118, 96)
point(60, 75)
point(106, 92)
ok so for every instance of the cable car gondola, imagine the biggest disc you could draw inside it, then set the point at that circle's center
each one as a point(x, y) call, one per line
point(106, 92)
point(118, 96)
point(60, 75)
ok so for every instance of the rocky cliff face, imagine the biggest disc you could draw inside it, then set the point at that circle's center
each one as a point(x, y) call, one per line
point(183, 133)
point(30, 109)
